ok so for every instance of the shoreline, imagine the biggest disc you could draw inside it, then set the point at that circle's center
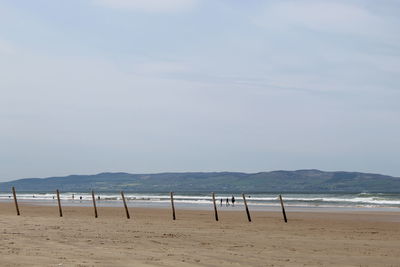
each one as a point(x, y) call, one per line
point(52, 210)
point(205, 207)
point(265, 202)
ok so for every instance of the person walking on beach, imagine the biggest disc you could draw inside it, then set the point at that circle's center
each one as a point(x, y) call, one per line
point(227, 202)
point(221, 202)
point(233, 201)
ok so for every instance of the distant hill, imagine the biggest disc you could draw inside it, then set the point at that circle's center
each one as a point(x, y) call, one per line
point(275, 181)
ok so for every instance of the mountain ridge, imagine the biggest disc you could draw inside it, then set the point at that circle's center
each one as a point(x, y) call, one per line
point(306, 180)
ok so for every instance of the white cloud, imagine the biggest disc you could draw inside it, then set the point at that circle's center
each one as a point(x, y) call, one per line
point(150, 6)
point(322, 16)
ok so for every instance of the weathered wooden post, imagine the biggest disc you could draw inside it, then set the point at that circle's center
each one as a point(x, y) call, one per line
point(94, 204)
point(283, 209)
point(59, 203)
point(15, 200)
point(172, 204)
point(215, 207)
point(126, 207)
point(247, 209)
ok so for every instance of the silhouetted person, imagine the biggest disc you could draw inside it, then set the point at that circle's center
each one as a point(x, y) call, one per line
point(233, 200)
point(73, 196)
point(227, 202)
point(221, 202)
point(80, 197)
point(98, 197)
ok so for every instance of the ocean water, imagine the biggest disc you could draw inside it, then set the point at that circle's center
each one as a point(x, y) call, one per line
point(266, 201)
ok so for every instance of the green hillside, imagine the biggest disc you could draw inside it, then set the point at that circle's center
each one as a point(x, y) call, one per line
point(275, 181)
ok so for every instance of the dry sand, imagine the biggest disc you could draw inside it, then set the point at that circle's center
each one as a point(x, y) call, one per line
point(40, 238)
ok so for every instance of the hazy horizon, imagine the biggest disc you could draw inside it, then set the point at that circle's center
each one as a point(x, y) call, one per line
point(148, 86)
point(146, 173)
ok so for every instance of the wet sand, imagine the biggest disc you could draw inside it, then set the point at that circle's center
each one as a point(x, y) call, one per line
point(151, 238)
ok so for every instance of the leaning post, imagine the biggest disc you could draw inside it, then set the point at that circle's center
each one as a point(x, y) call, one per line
point(173, 206)
point(59, 203)
point(126, 207)
point(247, 209)
point(94, 205)
point(215, 207)
point(283, 209)
point(15, 200)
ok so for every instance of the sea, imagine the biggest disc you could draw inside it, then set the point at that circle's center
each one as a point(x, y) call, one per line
point(190, 200)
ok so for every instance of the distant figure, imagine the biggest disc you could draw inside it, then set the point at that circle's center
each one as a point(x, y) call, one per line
point(227, 202)
point(98, 197)
point(221, 202)
point(53, 197)
point(33, 196)
point(233, 200)
point(73, 196)
point(80, 197)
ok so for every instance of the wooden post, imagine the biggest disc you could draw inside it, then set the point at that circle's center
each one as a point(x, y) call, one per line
point(283, 209)
point(247, 209)
point(15, 200)
point(173, 207)
point(94, 205)
point(126, 207)
point(215, 207)
point(59, 203)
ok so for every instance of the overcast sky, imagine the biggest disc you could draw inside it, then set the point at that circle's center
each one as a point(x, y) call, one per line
point(144, 86)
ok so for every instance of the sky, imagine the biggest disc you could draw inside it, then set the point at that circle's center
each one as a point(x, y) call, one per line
point(145, 86)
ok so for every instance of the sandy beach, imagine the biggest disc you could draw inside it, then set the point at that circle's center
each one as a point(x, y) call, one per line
point(151, 238)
